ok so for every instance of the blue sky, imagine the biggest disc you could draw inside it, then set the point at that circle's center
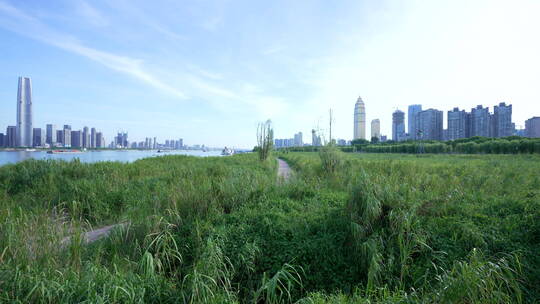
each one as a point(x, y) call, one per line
point(209, 71)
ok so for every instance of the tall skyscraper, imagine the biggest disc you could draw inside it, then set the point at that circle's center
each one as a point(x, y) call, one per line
point(376, 128)
point(480, 122)
point(411, 120)
point(2, 136)
point(24, 113)
point(430, 124)
point(359, 119)
point(502, 120)
point(93, 138)
point(532, 127)
point(458, 124)
point(51, 134)
point(398, 125)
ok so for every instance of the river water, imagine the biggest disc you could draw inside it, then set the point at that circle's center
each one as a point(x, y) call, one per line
point(9, 157)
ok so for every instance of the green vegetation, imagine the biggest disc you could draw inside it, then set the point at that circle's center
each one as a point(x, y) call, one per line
point(347, 228)
point(265, 140)
point(473, 145)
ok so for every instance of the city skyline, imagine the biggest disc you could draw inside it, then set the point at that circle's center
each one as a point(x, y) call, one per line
point(141, 67)
point(421, 124)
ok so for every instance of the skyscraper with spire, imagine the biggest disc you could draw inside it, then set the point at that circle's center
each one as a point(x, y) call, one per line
point(24, 113)
point(359, 119)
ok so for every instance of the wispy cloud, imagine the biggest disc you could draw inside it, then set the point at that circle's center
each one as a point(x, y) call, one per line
point(21, 23)
point(90, 14)
point(128, 8)
point(195, 83)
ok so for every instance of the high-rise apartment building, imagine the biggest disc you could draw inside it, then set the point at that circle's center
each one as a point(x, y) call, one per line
point(76, 139)
point(24, 113)
point(480, 122)
point(93, 138)
point(11, 137)
point(430, 124)
point(398, 125)
point(2, 140)
point(60, 137)
point(51, 134)
point(458, 124)
point(359, 119)
point(315, 139)
point(100, 142)
point(298, 139)
point(86, 137)
point(38, 137)
point(66, 133)
point(121, 140)
point(502, 121)
point(532, 127)
point(411, 120)
point(376, 128)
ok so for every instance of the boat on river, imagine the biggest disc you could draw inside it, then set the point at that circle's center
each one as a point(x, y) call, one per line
point(63, 151)
point(227, 152)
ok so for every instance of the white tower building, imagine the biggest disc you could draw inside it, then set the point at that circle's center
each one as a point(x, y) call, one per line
point(24, 113)
point(359, 119)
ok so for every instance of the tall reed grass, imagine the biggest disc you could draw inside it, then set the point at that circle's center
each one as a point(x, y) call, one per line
point(362, 229)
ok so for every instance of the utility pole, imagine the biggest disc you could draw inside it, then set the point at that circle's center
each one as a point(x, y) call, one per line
point(330, 126)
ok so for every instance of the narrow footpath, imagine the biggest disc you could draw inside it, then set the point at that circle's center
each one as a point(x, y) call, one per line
point(284, 171)
point(94, 235)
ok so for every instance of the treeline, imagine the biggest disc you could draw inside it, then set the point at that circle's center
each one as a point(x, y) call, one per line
point(473, 145)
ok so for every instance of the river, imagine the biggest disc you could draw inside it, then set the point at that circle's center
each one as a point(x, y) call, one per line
point(9, 157)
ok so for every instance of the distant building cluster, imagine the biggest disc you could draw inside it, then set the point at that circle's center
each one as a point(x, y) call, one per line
point(296, 141)
point(24, 134)
point(428, 124)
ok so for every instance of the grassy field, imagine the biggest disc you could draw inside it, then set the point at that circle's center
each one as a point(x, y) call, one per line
point(347, 228)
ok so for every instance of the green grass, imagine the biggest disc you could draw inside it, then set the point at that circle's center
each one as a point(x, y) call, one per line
point(354, 228)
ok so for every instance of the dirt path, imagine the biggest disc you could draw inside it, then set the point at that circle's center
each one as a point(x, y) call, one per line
point(96, 234)
point(284, 171)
